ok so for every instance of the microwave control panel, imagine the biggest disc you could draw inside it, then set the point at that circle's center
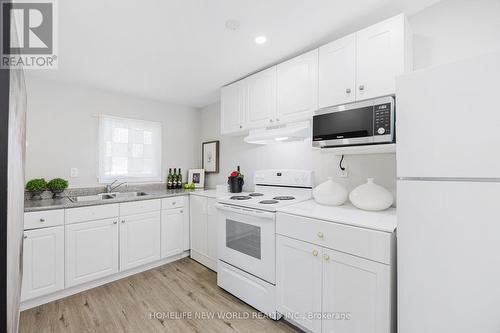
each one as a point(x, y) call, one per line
point(382, 119)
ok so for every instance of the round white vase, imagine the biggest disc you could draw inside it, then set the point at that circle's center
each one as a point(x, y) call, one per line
point(330, 193)
point(371, 196)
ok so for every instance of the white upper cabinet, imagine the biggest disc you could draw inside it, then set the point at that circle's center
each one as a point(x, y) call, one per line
point(233, 107)
point(337, 72)
point(383, 52)
point(297, 87)
point(261, 98)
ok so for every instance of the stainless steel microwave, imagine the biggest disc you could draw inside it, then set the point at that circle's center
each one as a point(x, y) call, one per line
point(368, 122)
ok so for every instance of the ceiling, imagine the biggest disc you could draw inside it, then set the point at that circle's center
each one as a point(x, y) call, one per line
point(180, 51)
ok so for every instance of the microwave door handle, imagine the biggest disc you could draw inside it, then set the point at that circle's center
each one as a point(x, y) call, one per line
point(245, 211)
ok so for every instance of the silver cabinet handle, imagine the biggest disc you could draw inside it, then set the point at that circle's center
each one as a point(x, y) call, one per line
point(348, 91)
point(123, 221)
point(361, 87)
point(42, 220)
point(115, 222)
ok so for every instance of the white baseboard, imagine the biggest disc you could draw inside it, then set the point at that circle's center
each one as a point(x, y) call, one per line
point(31, 303)
point(204, 260)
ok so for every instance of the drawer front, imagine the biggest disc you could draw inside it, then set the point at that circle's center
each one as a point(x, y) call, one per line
point(41, 219)
point(370, 244)
point(174, 202)
point(99, 212)
point(139, 207)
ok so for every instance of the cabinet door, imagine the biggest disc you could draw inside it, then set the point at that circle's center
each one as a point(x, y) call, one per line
point(356, 294)
point(297, 87)
point(172, 238)
point(337, 72)
point(186, 244)
point(198, 212)
point(139, 239)
point(233, 100)
point(298, 281)
point(43, 262)
point(91, 250)
point(261, 105)
point(212, 229)
point(380, 58)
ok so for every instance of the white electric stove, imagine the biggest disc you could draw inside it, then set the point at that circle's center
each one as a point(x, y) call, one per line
point(246, 235)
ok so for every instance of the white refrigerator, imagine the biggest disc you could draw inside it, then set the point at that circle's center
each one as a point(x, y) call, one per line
point(448, 197)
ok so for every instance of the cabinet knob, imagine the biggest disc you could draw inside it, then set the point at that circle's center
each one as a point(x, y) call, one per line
point(115, 222)
point(173, 203)
point(123, 221)
point(277, 119)
point(348, 91)
point(25, 236)
point(182, 211)
point(361, 87)
point(320, 235)
point(315, 253)
point(326, 257)
point(42, 220)
point(270, 120)
point(241, 126)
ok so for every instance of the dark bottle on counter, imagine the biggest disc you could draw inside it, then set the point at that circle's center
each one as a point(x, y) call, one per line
point(169, 179)
point(174, 179)
point(179, 179)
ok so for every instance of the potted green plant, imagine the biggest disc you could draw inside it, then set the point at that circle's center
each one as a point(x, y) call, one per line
point(57, 186)
point(36, 187)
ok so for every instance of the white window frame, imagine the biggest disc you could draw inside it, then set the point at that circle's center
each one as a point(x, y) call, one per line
point(102, 177)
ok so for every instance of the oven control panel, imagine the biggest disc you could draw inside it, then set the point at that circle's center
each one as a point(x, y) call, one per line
point(382, 115)
point(284, 177)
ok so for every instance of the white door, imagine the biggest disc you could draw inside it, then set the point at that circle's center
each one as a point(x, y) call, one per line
point(139, 240)
point(172, 238)
point(380, 58)
point(43, 262)
point(198, 213)
point(212, 229)
point(185, 230)
point(233, 107)
point(91, 250)
point(261, 98)
point(298, 281)
point(337, 72)
point(297, 87)
point(356, 294)
point(448, 262)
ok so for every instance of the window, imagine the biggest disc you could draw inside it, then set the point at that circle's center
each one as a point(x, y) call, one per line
point(129, 149)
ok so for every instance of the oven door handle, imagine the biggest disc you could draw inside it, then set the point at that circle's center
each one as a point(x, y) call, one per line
point(245, 211)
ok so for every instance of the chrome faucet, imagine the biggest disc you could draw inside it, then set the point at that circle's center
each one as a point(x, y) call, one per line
point(110, 188)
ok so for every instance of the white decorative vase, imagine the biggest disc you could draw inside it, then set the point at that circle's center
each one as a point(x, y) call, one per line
point(330, 193)
point(371, 196)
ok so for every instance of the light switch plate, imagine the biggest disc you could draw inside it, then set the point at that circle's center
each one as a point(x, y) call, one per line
point(73, 172)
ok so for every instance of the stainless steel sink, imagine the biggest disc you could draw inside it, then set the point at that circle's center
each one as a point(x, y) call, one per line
point(107, 196)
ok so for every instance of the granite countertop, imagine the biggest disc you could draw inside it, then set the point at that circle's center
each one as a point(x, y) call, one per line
point(345, 214)
point(48, 204)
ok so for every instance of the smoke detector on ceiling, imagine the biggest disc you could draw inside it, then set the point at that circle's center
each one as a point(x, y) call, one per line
point(232, 24)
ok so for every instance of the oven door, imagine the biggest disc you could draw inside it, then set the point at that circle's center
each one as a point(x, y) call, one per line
point(246, 240)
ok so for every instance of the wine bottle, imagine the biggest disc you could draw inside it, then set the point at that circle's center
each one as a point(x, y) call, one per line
point(174, 179)
point(169, 179)
point(179, 179)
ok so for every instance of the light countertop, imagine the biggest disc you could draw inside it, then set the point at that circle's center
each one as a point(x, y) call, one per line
point(346, 214)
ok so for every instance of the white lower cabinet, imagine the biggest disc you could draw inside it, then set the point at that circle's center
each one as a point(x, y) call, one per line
point(298, 276)
point(139, 239)
point(204, 230)
point(172, 225)
point(43, 262)
point(91, 250)
point(328, 291)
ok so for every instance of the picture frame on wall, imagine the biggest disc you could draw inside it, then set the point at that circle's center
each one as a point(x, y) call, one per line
point(197, 176)
point(210, 156)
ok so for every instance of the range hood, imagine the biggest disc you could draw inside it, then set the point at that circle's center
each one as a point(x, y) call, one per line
point(282, 133)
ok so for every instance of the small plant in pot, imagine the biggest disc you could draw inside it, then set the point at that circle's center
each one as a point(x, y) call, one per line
point(36, 187)
point(57, 186)
point(235, 181)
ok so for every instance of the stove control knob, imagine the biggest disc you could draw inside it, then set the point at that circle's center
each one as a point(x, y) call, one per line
point(381, 130)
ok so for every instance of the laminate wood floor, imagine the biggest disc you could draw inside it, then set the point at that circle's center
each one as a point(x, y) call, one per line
point(184, 292)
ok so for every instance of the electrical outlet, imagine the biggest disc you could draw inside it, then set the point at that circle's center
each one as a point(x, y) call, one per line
point(73, 172)
point(342, 173)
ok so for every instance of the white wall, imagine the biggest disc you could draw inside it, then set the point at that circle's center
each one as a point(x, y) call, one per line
point(62, 130)
point(447, 31)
